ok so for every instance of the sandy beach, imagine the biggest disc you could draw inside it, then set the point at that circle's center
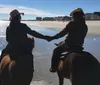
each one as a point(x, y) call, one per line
point(42, 76)
point(93, 26)
point(43, 49)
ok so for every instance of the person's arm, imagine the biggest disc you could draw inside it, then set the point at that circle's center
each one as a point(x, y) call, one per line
point(35, 34)
point(8, 34)
point(63, 32)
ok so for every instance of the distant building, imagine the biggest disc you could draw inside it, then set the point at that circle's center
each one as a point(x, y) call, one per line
point(66, 18)
point(48, 19)
point(88, 16)
point(38, 18)
point(59, 18)
point(92, 16)
point(97, 13)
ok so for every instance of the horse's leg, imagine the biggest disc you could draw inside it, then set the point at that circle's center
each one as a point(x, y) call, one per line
point(4, 71)
point(5, 60)
point(10, 67)
point(61, 78)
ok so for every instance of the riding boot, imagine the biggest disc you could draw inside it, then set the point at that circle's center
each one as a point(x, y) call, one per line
point(56, 57)
point(53, 67)
point(54, 62)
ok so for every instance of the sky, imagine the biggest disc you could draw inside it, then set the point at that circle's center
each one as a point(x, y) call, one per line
point(46, 8)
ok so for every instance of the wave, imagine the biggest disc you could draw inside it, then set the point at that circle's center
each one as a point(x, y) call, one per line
point(39, 83)
point(2, 36)
point(0, 52)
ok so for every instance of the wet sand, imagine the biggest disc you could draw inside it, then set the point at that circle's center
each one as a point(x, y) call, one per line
point(43, 49)
point(42, 56)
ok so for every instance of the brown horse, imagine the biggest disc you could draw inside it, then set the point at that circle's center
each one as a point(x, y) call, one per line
point(17, 72)
point(81, 68)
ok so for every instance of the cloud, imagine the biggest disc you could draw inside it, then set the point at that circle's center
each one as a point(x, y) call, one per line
point(8, 8)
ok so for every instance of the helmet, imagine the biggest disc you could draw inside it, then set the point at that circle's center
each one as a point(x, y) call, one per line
point(78, 11)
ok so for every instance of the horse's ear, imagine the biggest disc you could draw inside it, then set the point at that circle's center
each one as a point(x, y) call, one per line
point(56, 44)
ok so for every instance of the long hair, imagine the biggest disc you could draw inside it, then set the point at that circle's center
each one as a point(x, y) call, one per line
point(15, 20)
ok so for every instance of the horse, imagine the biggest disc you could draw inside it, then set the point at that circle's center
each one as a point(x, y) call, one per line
point(17, 72)
point(82, 68)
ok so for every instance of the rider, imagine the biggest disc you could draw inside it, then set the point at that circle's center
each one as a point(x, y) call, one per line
point(16, 36)
point(76, 31)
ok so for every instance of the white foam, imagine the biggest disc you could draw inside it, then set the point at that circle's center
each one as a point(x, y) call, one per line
point(0, 52)
point(39, 83)
point(2, 36)
point(94, 39)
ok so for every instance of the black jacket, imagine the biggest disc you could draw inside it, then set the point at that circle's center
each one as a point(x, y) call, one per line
point(17, 33)
point(76, 32)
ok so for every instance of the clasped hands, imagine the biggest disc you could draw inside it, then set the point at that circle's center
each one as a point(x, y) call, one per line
point(49, 38)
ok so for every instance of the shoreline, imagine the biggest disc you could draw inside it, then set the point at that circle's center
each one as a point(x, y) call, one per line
point(93, 26)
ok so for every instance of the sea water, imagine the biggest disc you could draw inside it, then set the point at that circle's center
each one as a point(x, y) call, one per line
point(43, 52)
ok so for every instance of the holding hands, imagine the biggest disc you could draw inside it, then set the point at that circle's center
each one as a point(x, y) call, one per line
point(49, 38)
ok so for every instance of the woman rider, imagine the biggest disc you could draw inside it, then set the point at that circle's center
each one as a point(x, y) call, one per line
point(76, 31)
point(16, 36)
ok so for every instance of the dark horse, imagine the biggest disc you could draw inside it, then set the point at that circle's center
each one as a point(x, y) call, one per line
point(17, 72)
point(81, 68)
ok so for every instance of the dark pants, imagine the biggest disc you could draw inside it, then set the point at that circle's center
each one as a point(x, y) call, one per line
point(57, 54)
point(60, 49)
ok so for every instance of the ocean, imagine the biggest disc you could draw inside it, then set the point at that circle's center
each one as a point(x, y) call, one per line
point(43, 52)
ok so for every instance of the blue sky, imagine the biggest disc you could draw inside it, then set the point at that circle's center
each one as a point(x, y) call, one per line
point(33, 8)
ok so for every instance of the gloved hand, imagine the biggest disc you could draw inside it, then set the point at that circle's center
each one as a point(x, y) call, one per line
point(49, 38)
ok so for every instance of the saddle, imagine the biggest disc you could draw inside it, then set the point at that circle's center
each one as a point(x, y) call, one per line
point(72, 49)
point(64, 55)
